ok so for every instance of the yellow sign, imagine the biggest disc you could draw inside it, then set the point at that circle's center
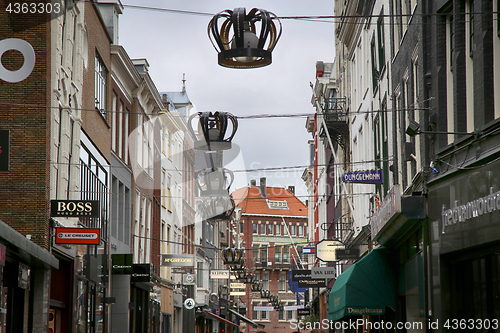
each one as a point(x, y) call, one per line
point(237, 285)
point(237, 293)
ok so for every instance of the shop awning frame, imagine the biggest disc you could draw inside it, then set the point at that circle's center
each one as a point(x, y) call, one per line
point(255, 325)
point(365, 288)
point(221, 319)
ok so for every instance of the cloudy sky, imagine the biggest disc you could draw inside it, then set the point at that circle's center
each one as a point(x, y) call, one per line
point(176, 43)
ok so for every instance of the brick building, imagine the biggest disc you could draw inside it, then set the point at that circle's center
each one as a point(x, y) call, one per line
point(272, 230)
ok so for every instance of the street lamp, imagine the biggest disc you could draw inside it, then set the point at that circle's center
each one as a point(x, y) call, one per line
point(244, 49)
point(212, 129)
point(414, 129)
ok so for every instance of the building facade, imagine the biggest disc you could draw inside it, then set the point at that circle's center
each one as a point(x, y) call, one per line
point(273, 231)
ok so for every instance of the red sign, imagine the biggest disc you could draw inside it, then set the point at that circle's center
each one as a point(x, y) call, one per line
point(77, 236)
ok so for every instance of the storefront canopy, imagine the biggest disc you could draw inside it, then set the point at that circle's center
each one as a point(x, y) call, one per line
point(255, 325)
point(220, 318)
point(365, 288)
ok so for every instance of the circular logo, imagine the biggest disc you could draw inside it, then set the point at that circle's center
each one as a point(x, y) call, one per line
point(189, 303)
point(189, 278)
point(29, 59)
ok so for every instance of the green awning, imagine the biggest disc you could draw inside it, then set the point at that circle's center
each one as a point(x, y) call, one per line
point(365, 288)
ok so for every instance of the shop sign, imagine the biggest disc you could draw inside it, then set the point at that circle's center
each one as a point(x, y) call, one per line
point(300, 274)
point(292, 307)
point(472, 209)
point(303, 312)
point(122, 264)
point(3, 253)
point(323, 272)
point(347, 254)
point(389, 209)
point(363, 177)
point(189, 303)
point(177, 260)
point(326, 250)
point(86, 236)
point(263, 308)
point(237, 286)
point(74, 208)
point(312, 283)
point(237, 293)
point(219, 274)
point(141, 273)
point(179, 270)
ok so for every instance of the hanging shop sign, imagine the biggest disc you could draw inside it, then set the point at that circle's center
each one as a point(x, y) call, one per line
point(177, 260)
point(323, 272)
point(326, 249)
point(74, 208)
point(141, 273)
point(347, 254)
point(309, 250)
point(363, 177)
point(312, 283)
point(179, 270)
point(263, 308)
point(122, 264)
point(304, 312)
point(219, 274)
point(237, 286)
point(300, 274)
point(237, 293)
point(86, 236)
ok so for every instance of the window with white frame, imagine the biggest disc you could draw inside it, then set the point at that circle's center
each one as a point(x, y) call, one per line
point(270, 228)
point(100, 84)
point(264, 315)
point(277, 254)
point(265, 281)
point(286, 253)
point(256, 253)
point(290, 314)
point(278, 229)
point(255, 314)
point(282, 282)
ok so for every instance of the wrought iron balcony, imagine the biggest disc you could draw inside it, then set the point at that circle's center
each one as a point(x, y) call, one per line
point(335, 115)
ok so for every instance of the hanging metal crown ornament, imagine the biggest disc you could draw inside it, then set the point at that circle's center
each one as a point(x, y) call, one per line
point(232, 256)
point(214, 181)
point(244, 49)
point(212, 127)
point(217, 208)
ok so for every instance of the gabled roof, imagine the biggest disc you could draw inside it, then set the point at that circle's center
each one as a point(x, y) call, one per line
point(278, 201)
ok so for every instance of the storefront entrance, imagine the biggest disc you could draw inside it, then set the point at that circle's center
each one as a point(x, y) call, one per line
point(475, 288)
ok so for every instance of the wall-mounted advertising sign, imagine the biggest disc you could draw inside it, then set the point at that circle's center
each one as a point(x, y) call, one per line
point(141, 273)
point(122, 264)
point(87, 236)
point(177, 260)
point(364, 177)
point(300, 274)
point(74, 208)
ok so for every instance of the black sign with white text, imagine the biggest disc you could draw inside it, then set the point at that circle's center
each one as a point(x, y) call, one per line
point(74, 208)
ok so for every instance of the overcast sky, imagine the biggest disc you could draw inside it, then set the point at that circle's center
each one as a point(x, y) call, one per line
point(175, 43)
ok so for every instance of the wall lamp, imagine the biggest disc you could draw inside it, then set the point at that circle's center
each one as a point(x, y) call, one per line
point(244, 49)
point(414, 129)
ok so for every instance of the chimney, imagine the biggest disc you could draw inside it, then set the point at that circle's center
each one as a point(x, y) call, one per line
point(320, 68)
point(253, 182)
point(291, 189)
point(263, 187)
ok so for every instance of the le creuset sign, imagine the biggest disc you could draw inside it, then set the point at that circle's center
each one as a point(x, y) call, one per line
point(86, 236)
point(74, 208)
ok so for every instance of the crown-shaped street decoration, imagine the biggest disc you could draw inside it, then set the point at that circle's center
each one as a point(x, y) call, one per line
point(240, 266)
point(251, 278)
point(265, 293)
point(257, 286)
point(240, 275)
point(212, 127)
point(273, 298)
point(279, 306)
point(244, 49)
point(218, 208)
point(232, 256)
point(213, 182)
